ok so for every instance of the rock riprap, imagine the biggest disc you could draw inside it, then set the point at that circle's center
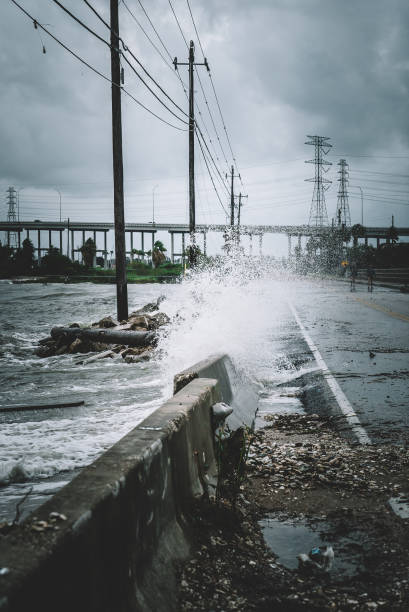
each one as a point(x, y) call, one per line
point(134, 339)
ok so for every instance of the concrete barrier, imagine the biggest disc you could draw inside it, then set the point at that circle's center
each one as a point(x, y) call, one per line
point(110, 539)
point(235, 389)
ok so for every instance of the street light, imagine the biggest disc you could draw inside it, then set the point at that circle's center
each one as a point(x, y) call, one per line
point(153, 203)
point(59, 193)
point(18, 202)
point(362, 203)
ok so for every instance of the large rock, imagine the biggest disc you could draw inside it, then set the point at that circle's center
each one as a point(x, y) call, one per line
point(139, 322)
point(107, 322)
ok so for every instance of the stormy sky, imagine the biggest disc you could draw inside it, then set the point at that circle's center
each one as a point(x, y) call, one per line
point(282, 69)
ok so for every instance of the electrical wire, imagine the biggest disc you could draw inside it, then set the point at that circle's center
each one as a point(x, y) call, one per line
point(214, 163)
point(199, 79)
point(211, 177)
point(85, 63)
point(128, 50)
point(216, 97)
point(81, 23)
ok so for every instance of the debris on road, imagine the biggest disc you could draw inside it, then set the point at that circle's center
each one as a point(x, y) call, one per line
point(300, 468)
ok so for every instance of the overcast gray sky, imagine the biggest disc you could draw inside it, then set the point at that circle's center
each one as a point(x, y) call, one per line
point(282, 69)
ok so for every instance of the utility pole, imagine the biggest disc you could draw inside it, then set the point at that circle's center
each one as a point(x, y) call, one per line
point(238, 215)
point(318, 210)
point(343, 214)
point(233, 176)
point(119, 217)
point(192, 206)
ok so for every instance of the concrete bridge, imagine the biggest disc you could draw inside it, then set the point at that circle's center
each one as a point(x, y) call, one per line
point(15, 229)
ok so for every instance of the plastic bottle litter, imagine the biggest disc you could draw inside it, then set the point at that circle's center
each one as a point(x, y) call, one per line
point(320, 557)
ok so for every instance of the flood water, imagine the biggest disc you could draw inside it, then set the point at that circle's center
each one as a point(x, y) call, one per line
point(42, 450)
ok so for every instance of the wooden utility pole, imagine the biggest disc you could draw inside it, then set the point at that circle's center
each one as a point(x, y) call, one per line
point(119, 217)
point(238, 215)
point(192, 205)
point(232, 196)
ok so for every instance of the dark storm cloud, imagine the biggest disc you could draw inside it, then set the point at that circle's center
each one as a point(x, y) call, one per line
point(342, 66)
point(282, 68)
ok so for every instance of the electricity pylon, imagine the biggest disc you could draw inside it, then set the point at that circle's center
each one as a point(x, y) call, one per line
point(11, 216)
point(318, 210)
point(343, 215)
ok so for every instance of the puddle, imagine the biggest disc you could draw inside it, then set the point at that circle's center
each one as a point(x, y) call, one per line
point(288, 538)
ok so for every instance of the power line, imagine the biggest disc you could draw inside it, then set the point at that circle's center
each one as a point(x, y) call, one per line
point(127, 49)
point(216, 97)
point(383, 173)
point(179, 26)
point(100, 74)
point(215, 94)
point(376, 156)
point(171, 67)
point(153, 27)
point(82, 24)
point(214, 163)
point(201, 85)
point(211, 177)
point(148, 37)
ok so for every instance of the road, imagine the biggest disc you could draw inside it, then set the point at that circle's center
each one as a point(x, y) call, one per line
point(360, 343)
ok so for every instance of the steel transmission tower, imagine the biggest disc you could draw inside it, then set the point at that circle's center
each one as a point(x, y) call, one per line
point(343, 216)
point(318, 210)
point(11, 216)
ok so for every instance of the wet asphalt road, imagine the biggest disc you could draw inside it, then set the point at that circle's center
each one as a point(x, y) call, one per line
point(363, 338)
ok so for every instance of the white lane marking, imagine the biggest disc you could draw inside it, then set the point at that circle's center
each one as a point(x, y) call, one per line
point(339, 395)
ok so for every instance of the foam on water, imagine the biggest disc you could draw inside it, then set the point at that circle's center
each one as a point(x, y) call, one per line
point(235, 307)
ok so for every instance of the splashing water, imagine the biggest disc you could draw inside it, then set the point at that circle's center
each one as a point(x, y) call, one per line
point(235, 306)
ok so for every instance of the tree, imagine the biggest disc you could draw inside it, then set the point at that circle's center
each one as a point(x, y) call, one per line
point(357, 231)
point(88, 251)
point(393, 234)
point(158, 253)
point(5, 259)
point(55, 263)
point(24, 258)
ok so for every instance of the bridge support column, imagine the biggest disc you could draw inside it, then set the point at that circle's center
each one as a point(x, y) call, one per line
point(60, 242)
point(105, 251)
point(143, 244)
point(19, 239)
point(172, 247)
point(299, 242)
point(251, 245)
point(49, 240)
point(28, 234)
point(153, 242)
point(260, 245)
point(366, 241)
point(72, 246)
point(183, 248)
point(204, 243)
point(289, 245)
point(39, 246)
point(131, 232)
point(377, 242)
point(83, 242)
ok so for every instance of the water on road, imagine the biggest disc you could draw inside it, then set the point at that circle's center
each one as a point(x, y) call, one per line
point(216, 311)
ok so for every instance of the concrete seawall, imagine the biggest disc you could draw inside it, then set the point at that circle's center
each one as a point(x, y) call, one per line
point(235, 390)
point(110, 539)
